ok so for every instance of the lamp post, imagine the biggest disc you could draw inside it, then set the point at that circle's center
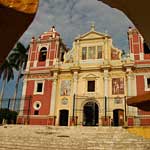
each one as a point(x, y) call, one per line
point(29, 105)
point(105, 108)
point(73, 111)
point(125, 111)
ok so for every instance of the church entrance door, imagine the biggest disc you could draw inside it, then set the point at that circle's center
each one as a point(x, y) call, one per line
point(90, 114)
point(118, 117)
point(63, 118)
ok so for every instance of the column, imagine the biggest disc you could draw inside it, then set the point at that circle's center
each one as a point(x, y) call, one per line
point(74, 102)
point(105, 49)
point(75, 79)
point(129, 85)
point(28, 65)
point(105, 106)
point(53, 98)
point(132, 111)
point(106, 82)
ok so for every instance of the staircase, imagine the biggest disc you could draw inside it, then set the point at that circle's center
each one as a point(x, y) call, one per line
point(69, 138)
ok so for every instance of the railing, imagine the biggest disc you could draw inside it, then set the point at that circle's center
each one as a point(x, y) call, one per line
point(115, 112)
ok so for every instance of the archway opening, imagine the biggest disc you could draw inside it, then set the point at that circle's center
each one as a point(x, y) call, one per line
point(90, 114)
point(63, 117)
point(43, 53)
point(118, 117)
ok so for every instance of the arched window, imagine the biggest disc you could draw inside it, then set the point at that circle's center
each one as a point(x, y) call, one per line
point(43, 53)
point(146, 48)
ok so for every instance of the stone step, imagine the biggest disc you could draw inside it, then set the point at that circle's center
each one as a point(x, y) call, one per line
point(91, 147)
point(69, 138)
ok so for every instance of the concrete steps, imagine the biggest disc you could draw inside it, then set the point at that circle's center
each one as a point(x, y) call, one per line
point(69, 138)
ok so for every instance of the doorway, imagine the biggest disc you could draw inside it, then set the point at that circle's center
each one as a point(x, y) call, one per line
point(90, 114)
point(63, 117)
point(118, 117)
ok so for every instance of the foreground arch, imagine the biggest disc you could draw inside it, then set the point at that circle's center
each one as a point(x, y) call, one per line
point(15, 16)
point(137, 11)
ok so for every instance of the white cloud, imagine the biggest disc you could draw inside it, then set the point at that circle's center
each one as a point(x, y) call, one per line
point(73, 17)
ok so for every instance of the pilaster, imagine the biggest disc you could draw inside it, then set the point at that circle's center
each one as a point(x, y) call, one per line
point(23, 97)
point(53, 97)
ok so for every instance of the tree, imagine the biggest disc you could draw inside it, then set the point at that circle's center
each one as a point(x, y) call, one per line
point(7, 74)
point(19, 56)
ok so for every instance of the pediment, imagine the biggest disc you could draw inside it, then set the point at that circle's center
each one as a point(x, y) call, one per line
point(92, 35)
point(90, 76)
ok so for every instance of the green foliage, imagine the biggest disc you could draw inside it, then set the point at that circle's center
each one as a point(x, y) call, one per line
point(6, 69)
point(19, 55)
point(10, 116)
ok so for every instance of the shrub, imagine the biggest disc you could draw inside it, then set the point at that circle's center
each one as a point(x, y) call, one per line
point(8, 115)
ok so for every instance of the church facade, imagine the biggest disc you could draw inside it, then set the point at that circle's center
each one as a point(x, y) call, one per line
point(87, 85)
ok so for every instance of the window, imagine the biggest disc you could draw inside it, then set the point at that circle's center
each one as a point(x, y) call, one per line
point(62, 56)
point(148, 82)
point(117, 86)
point(36, 112)
point(37, 105)
point(84, 51)
point(91, 52)
point(43, 53)
point(39, 87)
point(99, 52)
point(146, 48)
point(91, 86)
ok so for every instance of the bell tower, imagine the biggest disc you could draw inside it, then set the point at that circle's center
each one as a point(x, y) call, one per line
point(136, 42)
point(39, 78)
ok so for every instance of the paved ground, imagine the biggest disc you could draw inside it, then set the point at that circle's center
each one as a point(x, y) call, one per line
point(69, 138)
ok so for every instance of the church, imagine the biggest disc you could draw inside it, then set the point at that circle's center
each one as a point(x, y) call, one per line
point(87, 85)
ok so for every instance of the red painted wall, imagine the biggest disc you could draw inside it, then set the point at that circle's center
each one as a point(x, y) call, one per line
point(45, 99)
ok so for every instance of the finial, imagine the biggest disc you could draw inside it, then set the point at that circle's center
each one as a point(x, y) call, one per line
point(53, 29)
point(92, 26)
point(106, 31)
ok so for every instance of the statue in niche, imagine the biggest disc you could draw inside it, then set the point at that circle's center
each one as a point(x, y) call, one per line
point(68, 56)
point(117, 86)
point(65, 88)
point(114, 54)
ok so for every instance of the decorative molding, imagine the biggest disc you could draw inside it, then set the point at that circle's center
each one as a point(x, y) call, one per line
point(35, 87)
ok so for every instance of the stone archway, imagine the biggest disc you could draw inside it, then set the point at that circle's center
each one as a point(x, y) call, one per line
point(90, 114)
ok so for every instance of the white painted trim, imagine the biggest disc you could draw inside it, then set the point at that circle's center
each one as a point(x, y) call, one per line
point(35, 87)
point(47, 62)
point(92, 61)
point(141, 56)
point(142, 73)
point(145, 82)
point(35, 116)
point(132, 56)
point(38, 79)
point(43, 45)
point(35, 63)
point(53, 98)
point(23, 97)
point(28, 65)
point(105, 82)
point(39, 71)
point(35, 105)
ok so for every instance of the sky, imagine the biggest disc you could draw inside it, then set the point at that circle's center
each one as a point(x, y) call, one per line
point(74, 17)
